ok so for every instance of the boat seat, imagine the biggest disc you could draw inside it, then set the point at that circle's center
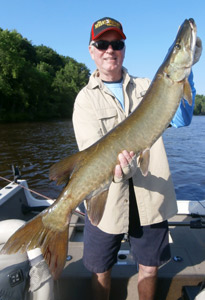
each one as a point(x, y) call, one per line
point(23, 275)
point(191, 292)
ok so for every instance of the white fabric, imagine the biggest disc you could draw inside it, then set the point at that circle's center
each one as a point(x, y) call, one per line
point(41, 282)
point(201, 295)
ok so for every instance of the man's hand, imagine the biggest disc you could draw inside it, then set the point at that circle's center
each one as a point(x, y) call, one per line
point(198, 50)
point(126, 167)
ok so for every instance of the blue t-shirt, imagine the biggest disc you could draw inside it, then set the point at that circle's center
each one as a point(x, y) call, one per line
point(117, 90)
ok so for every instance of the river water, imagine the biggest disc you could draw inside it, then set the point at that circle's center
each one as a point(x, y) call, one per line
point(34, 147)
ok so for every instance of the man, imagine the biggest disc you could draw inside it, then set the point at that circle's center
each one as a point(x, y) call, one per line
point(136, 204)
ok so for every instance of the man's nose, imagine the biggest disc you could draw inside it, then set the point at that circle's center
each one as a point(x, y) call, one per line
point(110, 48)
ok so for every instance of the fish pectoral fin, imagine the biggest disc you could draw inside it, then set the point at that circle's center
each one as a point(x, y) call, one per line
point(96, 206)
point(187, 92)
point(62, 170)
point(143, 161)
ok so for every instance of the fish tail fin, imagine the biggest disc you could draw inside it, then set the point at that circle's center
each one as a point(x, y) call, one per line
point(34, 234)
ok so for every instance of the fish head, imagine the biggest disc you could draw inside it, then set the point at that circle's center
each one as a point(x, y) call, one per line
point(178, 62)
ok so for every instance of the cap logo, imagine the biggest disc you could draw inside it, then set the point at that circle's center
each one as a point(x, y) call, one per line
point(103, 25)
point(107, 22)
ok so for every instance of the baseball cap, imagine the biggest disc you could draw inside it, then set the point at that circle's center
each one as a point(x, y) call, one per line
point(103, 25)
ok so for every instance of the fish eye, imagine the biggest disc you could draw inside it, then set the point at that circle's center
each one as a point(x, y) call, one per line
point(178, 46)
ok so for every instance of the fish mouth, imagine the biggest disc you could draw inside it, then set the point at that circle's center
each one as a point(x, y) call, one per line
point(192, 23)
point(193, 29)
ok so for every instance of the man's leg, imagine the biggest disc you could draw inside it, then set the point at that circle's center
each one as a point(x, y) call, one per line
point(99, 255)
point(147, 279)
point(150, 248)
point(101, 283)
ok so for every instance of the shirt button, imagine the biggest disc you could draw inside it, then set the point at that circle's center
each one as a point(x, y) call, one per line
point(126, 200)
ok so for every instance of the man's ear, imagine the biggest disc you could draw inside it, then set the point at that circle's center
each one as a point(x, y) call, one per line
point(91, 50)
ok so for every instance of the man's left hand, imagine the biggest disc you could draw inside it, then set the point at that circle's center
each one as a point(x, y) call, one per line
point(198, 50)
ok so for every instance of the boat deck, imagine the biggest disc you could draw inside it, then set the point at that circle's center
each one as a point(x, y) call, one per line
point(186, 243)
point(75, 281)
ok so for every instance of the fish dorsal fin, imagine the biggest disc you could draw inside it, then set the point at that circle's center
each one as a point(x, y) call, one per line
point(96, 206)
point(187, 92)
point(62, 170)
point(143, 161)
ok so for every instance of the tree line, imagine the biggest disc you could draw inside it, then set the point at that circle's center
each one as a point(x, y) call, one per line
point(199, 108)
point(36, 83)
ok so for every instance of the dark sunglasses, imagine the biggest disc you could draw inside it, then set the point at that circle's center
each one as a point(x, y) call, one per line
point(103, 45)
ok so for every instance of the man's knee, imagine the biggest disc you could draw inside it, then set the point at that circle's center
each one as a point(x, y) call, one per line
point(148, 271)
point(104, 275)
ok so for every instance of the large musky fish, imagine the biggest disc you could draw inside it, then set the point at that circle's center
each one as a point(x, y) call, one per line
point(90, 172)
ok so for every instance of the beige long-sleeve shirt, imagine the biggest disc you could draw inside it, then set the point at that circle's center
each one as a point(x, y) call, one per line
point(96, 112)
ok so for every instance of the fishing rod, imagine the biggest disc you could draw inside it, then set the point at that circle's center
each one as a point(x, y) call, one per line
point(27, 209)
point(198, 223)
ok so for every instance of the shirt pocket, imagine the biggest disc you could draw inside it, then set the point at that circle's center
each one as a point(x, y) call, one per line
point(108, 119)
point(136, 99)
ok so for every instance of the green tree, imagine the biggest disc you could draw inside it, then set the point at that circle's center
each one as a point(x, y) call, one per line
point(35, 81)
point(199, 108)
point(50, 57)
point(16, 57)
point(67, 83)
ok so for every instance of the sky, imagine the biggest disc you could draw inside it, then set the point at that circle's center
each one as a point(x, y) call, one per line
point(150, 27)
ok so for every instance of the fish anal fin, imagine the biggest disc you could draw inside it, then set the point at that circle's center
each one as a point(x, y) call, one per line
point(34, 234)
point(62, 170)
point(143, 161)
point(96, 206)
point(187, 92)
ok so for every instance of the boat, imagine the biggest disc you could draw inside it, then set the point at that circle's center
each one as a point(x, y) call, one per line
point(180, 278)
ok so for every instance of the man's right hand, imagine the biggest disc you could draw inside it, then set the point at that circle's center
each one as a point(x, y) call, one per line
point(127, 166)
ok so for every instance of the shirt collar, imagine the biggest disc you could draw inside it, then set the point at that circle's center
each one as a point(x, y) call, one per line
point(95, 80)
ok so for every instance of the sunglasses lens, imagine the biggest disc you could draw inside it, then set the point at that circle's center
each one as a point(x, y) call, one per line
point(117, 45)
point(103, 45)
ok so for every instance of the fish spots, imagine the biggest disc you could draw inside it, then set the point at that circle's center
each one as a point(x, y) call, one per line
point(47, 255)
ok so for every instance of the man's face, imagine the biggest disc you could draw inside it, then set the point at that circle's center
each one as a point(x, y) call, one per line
point(109, 62)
